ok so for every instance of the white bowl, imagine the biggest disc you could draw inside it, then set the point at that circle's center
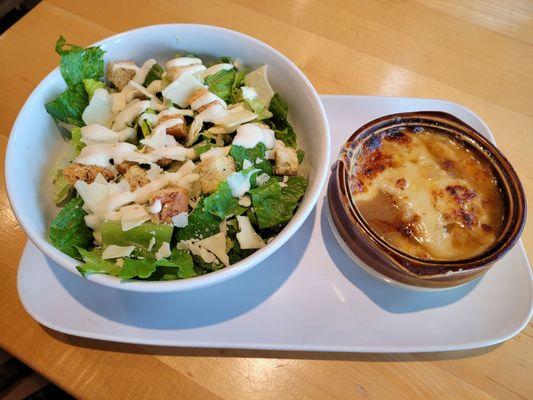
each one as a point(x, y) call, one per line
point(35, 140)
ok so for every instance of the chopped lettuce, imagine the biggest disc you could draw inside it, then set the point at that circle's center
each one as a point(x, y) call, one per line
point(68, 231)
point(69, 106)
point(137, 268)
point(279, 122)
point(62, 189)
point(253, 155)
point(202, 148)
point(221, 83)
point(155, 73)
point(236, 92)
point(78, 63)
point(222, 204)
point(250, 96)
point(178, 265)
point(94, 264)
point(300, 154)
point(258, 80)
point(275, 205)
point(140, 236)
point(76, 139)
point(201, 224)
point(91, 85)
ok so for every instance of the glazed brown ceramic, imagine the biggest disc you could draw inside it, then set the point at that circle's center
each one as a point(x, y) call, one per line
point(396, 265)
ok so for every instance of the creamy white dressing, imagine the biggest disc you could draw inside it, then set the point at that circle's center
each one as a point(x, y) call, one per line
point(239, 182)
point(94, 133)
point(101, 154)
point(205, 99)
point(140, 76)
point(217, 68)
point(158, 137)
point(250, 135)
point(128, 114)
point(125, 65)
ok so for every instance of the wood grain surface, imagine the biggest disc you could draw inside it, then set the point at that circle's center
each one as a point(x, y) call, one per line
point(478, 53)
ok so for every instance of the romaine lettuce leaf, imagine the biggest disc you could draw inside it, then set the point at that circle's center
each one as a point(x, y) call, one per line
point(69, 106)
point(155, 73)
point(222, 204)
point(68, 231)
point(76, 140)
point(179, 263)
point(275, 205)
point(91, 85)
point(62, 190)
point(78, 63)
point(250, 96)
point(201, 224)
point(279, 123)
point(236, 92)
point(94, 264)
point(239, 154)
point(137, 268)
point(221, 83)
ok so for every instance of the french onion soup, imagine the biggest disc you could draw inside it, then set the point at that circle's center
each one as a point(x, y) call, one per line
point(426, 193)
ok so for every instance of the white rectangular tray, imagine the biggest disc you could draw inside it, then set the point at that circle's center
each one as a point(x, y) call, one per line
point(307, 296)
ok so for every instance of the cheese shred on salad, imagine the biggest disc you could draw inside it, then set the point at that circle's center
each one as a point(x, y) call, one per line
point(176, 168)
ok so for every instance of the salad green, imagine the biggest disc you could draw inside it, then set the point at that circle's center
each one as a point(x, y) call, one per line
point(177, 168)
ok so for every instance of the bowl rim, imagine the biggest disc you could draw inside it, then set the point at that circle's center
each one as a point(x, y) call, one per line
point(511, 231)
point(211, 278)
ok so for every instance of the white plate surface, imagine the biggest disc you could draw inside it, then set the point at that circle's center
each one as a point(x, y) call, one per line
point(309, 295)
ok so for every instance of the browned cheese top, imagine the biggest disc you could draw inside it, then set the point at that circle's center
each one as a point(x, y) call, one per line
point(427, 194)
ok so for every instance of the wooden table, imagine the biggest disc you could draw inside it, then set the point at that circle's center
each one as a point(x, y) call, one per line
point(478, 53)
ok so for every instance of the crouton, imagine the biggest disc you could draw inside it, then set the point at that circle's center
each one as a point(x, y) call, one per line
point(136, 177)
point(118, 75)
point(87, 173)
point(169, 202)
point(123, 167)
point(286, 159)
point(179, 130)
point(213, 171)
point(164, 162)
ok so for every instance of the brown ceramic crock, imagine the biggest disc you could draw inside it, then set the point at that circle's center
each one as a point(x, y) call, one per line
point(394, 265)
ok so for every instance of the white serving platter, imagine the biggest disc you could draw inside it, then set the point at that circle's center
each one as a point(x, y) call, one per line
point(309, 295)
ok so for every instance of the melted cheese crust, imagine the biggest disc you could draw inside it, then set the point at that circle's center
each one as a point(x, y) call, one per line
point(427, 194)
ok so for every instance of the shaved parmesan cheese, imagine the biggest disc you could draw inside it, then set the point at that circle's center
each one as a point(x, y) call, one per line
point(181, 89)
point(262, 179)
point(151, 243)
point(215, 152)
point(216, 244)
point(114, 251)
point(181, 220)
point(99, 110)
point(163, 252)
point(133, 216)
point(245, 201)
point(258, 80)
point(196, 250)
point(247, 237)
point(156, 207)
point(246, 164)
